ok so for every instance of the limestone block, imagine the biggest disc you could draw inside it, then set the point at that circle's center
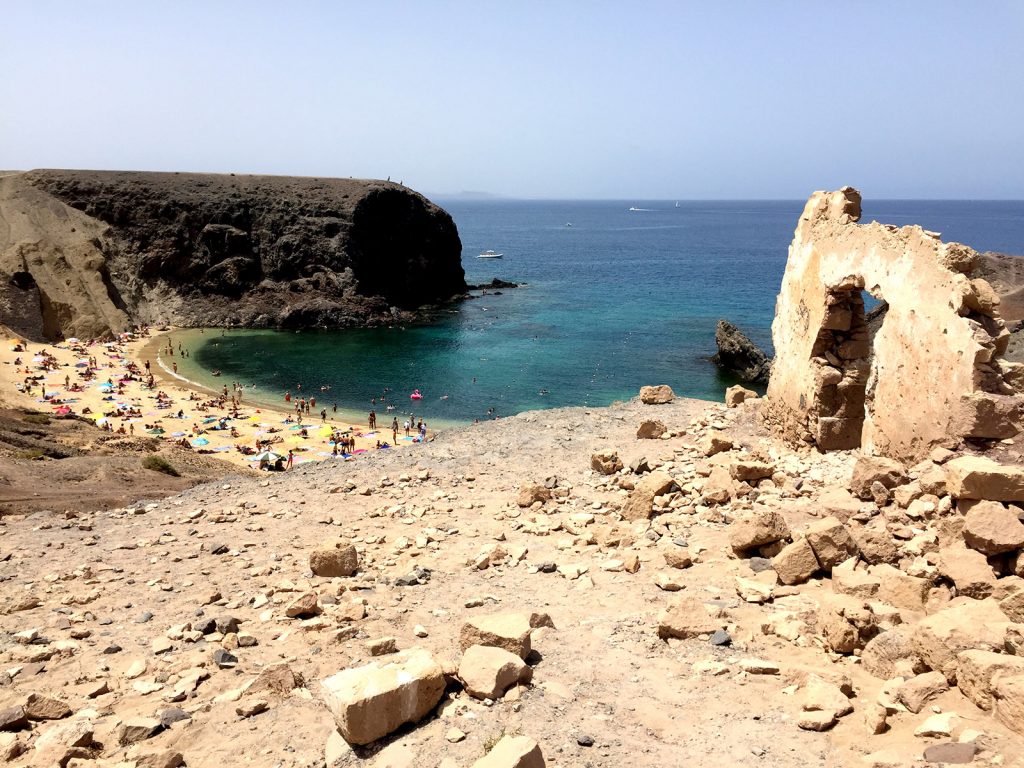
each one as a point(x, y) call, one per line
point(750, 470)
point(513, 752)
point(488, 672)
point(839, 503)
point(714, 443)
point(968, 570)
point(845, 623)
point(686, 617)
point(992, 528)
point(530, 493)
point(831, 542)
point(510, 631)
point(737, 395)
point(965, 625)
point(760, 527)
point(796, 563)
point(875, 544)
point(335, 558)
point(605, 462)
point(900, 589)
point(875, 469)
point(371, 701)
point(1008, 698)
point(978, 477)
point(976, 671)
point(919, 690)
point(889, 653)
point(656, 395)
point(640, 504)
point(650, 429)
point(818, 695)
point(848, 579)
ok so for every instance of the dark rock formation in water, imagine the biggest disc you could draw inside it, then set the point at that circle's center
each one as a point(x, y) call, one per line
point(739, 355)
point(88, 253)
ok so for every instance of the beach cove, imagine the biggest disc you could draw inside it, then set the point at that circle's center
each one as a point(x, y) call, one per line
point(106, 383)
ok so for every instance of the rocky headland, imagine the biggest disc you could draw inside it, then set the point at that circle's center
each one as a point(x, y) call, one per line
point(93, 253)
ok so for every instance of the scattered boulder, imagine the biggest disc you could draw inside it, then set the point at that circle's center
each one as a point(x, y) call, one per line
point(763, 526)
point(39, 707)
point(714, 443)
point(650, 429)
point(305, 605)
point(509, 631)
point(750, 470)
point(531, 493)
point(796, 563)
point(513, 752)
point(976, 670)
point(1008, 701)
point(686, 617)
point(640, 503)
point(951, 753)
point(992, 528)
point(919, 690)
point(891, 654)
point(819, 695)
point(487, 672)
point(656, 395)
point(737, 395)
point(831, 542)
point(900, 589)
point(371, 701)
point(965, 625)
point(137, 729)
point(845, 623)
point(13, 719)
point(968, 570)
point(605, 462)
point(335, 558)
point(978, 477)
point(875, 469)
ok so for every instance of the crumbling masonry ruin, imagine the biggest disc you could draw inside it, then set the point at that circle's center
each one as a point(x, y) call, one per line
point(922, 368)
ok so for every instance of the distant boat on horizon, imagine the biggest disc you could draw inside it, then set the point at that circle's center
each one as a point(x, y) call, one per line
point(677, 203)
point(490, 255)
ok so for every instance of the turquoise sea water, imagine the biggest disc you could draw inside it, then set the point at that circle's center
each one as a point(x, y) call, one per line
point(617, 300)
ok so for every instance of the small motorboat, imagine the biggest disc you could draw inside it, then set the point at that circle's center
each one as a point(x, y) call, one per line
point(490, 255)
point(415, 395)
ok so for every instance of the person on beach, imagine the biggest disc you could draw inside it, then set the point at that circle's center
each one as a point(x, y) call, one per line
point(287, 397)
point(394, 431)
point(291, 458)
point(372, 421)
point(323, 415)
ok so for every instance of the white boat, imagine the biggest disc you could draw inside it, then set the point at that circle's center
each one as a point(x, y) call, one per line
point(490, 255)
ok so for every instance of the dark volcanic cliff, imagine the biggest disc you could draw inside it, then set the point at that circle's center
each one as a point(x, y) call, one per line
point(92, 252)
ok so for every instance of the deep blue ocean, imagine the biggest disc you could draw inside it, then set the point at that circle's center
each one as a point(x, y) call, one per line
point(619, 299)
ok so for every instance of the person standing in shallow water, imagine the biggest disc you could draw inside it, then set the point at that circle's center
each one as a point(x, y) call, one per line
point(372, 420)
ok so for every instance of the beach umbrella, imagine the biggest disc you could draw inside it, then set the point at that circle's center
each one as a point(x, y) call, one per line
point(101, 420)
point(200, 441)
point(156, 431)
point(178, 434)
point(63, 411)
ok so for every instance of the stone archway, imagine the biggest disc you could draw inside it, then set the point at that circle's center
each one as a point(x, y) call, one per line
point(930, 373)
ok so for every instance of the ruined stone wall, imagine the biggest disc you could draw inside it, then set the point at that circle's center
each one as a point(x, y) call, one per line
point(931, 374)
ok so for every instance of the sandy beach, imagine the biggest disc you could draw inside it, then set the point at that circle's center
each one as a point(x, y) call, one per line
point(109, 383)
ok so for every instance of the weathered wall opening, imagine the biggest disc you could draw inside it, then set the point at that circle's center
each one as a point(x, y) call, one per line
point(924, 368)
point(842, 355)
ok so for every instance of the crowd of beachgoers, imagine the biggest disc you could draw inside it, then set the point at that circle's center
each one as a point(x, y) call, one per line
point(131, 386)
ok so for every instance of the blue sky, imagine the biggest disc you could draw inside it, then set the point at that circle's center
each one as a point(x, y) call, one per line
point(529, 99)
